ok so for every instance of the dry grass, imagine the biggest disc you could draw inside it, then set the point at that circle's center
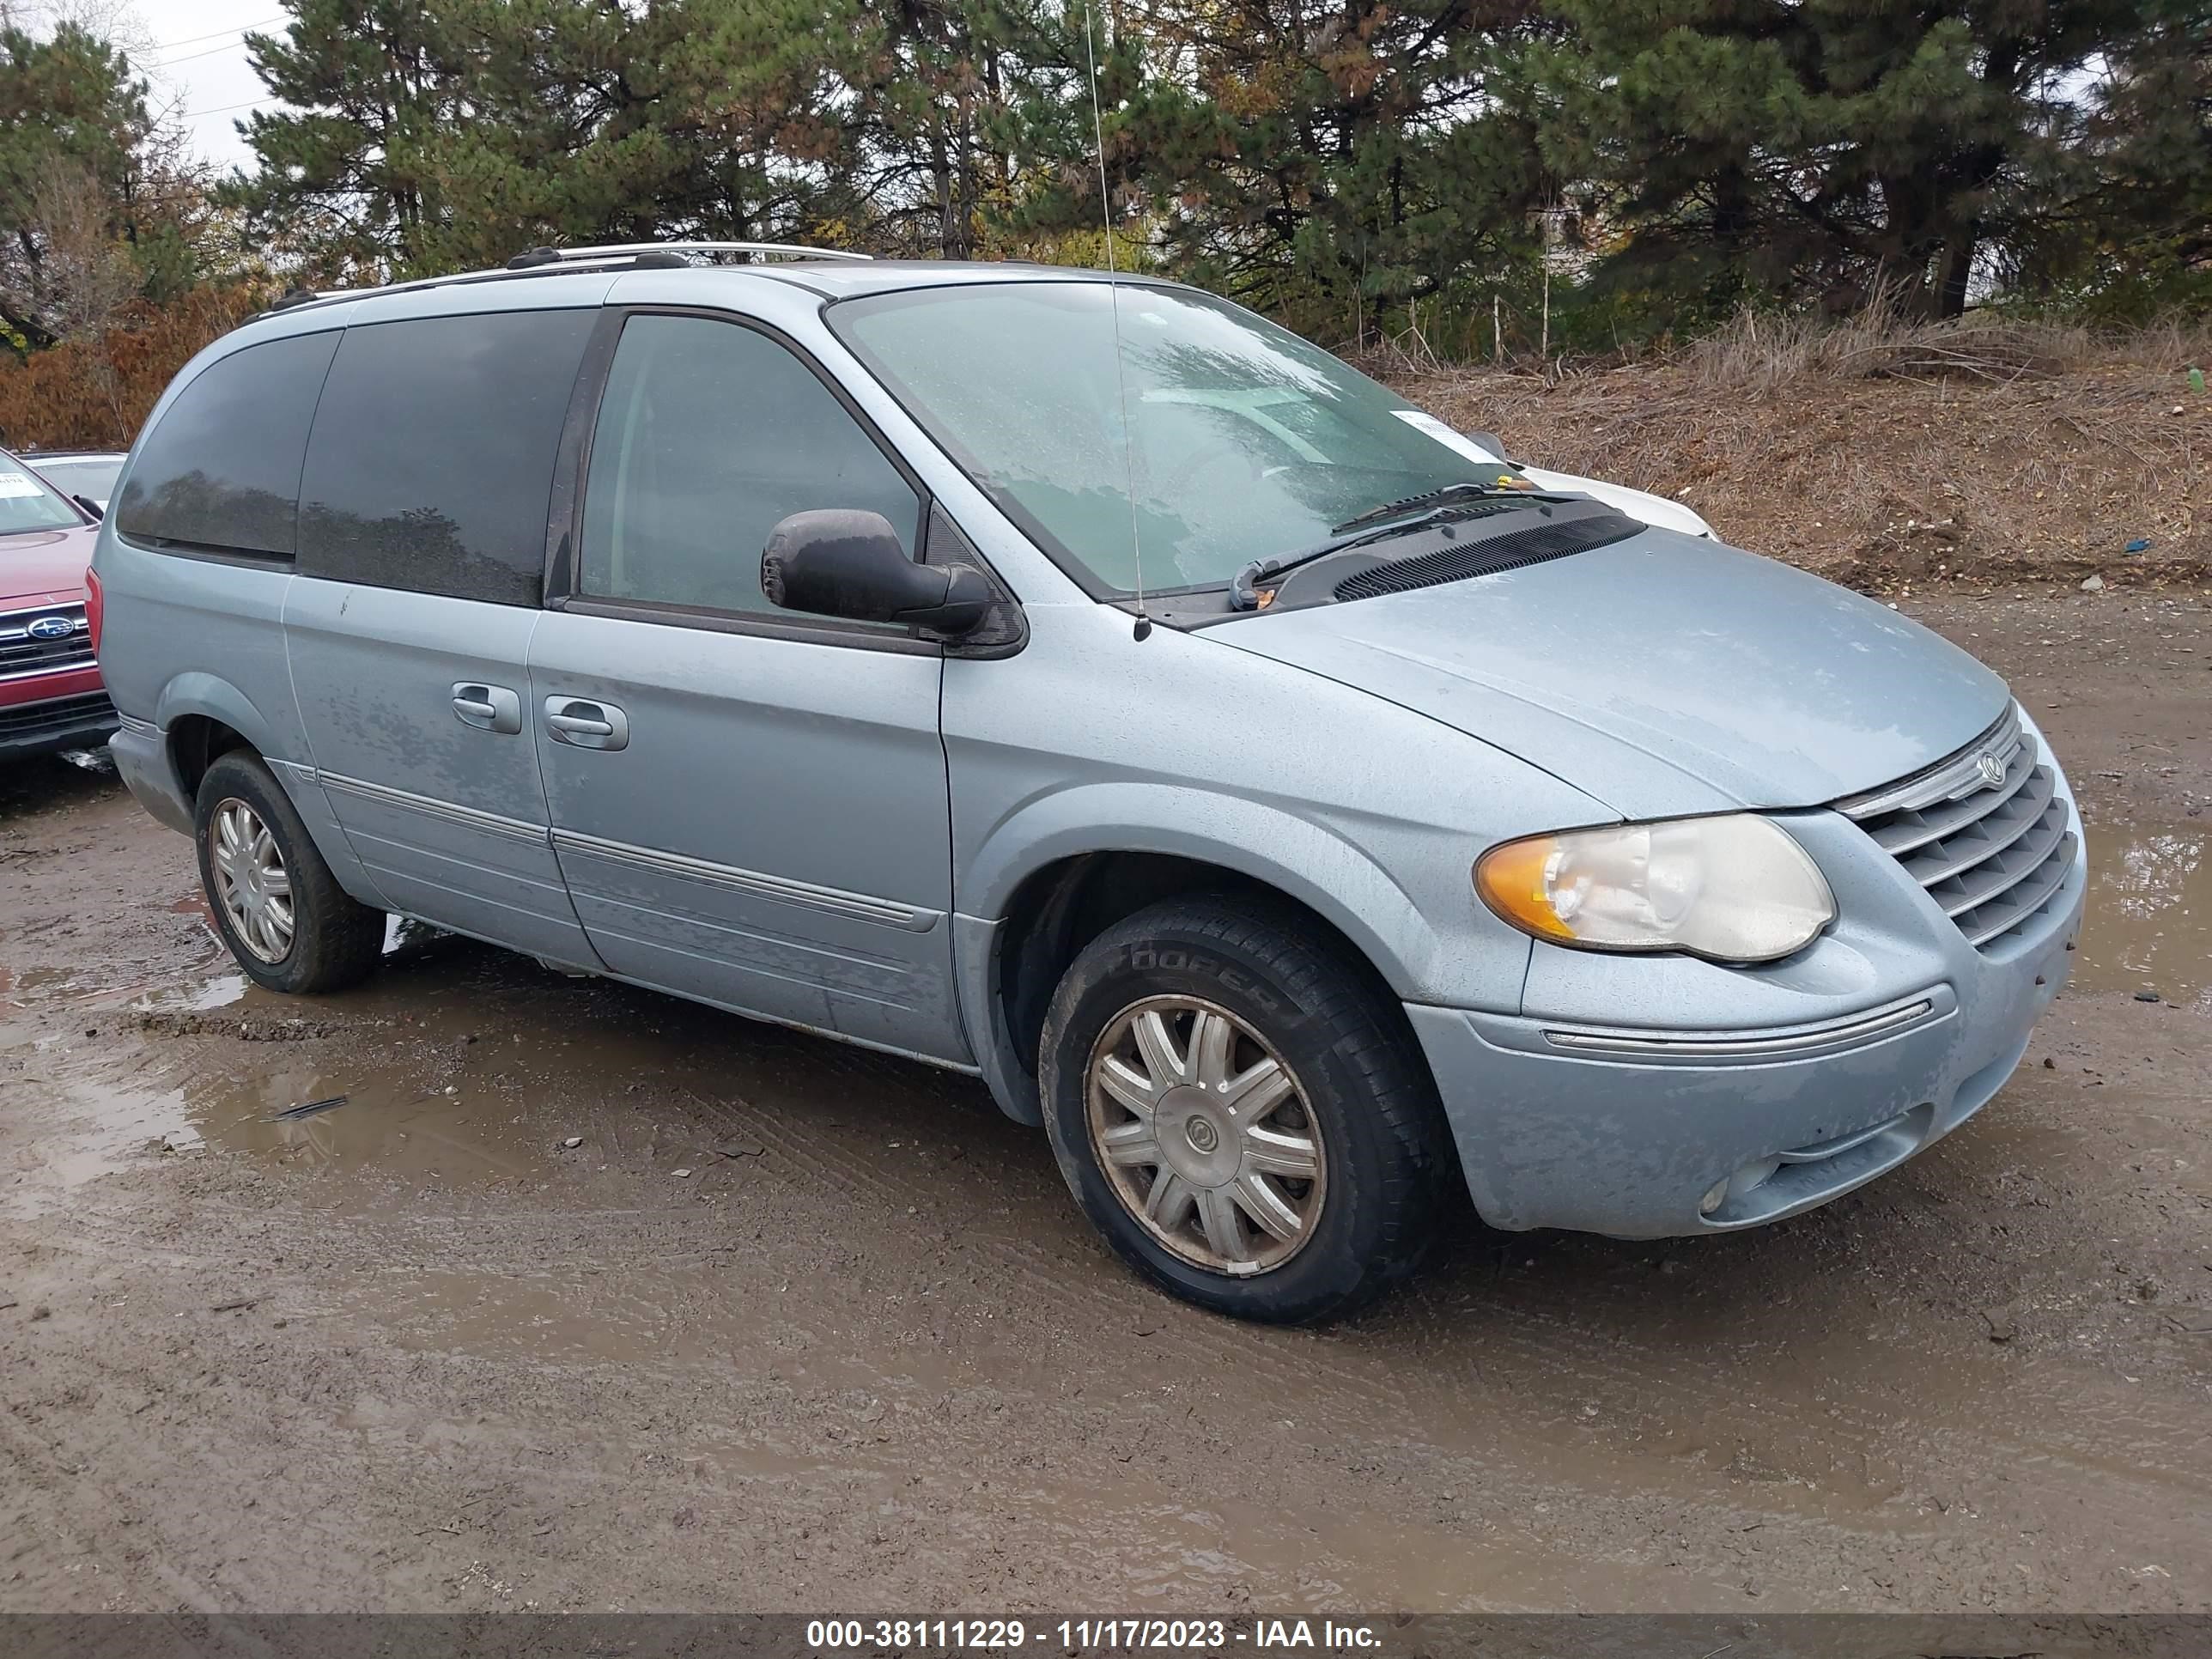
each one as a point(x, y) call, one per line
point(1765, 353)
point(93, 392)
point(1883, 457)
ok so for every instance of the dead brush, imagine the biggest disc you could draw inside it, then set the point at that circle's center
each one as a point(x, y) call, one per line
point(93, 392)
point(1886, 457)
point(1764, 351)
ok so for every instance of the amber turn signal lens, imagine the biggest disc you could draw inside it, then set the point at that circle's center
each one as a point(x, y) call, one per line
point(1512, 880)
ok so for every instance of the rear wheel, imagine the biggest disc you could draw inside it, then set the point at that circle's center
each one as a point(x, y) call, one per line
point(275, 902)
point(1239, 1113)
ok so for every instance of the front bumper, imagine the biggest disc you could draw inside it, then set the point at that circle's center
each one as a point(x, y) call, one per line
point(1623, 1130)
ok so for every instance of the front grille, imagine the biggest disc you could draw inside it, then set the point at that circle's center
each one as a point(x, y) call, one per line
point(22, 652)
point(25, 721)
point(1509, 551)
point(1983, 830)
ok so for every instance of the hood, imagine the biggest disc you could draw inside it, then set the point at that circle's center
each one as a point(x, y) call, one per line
point(39, 565)
point(1665, 674)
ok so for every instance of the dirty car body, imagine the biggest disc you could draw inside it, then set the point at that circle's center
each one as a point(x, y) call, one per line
point(1126, 758)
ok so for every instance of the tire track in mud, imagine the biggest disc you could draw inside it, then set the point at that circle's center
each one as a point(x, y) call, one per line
point(1638, 1397)
point(1090, 1469)
point(1643, 1387)
point(2041, 1426)
point(90, 1507)
point(1502, 1492)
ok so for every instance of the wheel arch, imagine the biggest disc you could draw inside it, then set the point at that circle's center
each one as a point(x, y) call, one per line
point(1047, 885)
point(201, 717)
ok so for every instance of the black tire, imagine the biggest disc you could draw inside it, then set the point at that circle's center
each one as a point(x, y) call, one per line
point(336, 940)
point(1360, 1085)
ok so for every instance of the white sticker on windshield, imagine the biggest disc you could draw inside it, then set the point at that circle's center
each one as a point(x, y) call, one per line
point(14, 484)
point(1430, 426)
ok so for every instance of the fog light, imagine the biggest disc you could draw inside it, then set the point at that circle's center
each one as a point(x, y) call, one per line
point(1744, 1180)
point(1752, 1174)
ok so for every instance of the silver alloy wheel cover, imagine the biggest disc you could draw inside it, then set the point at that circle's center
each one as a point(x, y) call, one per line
point(1221, 1164)
point(251, 883)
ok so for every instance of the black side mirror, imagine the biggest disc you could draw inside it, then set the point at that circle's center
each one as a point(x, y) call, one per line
point(840, 562)
point(89, 505)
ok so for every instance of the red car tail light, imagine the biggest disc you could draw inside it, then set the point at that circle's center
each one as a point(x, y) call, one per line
point(95, 607)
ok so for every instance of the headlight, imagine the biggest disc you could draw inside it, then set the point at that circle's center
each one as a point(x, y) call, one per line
point(1736, 889)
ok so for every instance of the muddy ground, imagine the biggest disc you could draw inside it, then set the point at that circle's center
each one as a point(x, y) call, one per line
point(415, 1352)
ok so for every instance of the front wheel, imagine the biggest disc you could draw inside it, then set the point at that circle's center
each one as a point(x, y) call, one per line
point(1239, 1113)
point(275, 902)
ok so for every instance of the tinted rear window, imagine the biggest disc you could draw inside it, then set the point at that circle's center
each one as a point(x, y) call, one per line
point(432, 459)
point(220, 469)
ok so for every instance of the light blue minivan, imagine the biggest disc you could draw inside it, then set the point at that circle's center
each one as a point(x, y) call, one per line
point(1302, 812)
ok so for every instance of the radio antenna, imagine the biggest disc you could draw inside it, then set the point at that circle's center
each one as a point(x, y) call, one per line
point(1114, 308)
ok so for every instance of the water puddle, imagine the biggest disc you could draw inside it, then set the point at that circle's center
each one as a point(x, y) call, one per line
point(220, 991)
point(389, 1118)
point(396, 1115)
point(457, 1064)
point(2149, 922)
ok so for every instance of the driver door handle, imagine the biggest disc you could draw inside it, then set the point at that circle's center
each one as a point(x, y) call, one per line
point(586, 722)
point(486, 707)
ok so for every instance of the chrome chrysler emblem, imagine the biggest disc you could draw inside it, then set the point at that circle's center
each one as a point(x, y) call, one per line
point(51, 627)
point(1989, 770)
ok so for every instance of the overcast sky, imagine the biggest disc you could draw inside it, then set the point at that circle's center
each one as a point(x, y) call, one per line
point(194, 54)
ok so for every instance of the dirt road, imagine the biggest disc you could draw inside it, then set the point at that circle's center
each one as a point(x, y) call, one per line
point(415, 1352)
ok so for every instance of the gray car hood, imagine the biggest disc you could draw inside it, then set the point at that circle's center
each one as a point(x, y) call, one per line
point(1660, 674)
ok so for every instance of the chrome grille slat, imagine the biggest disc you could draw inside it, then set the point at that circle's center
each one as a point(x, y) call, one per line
point(1913, 828)
point(1953, 774)
point(13, 622)
point(1990, 855)
point(20, 654)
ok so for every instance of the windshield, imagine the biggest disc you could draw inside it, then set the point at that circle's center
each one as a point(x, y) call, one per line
point(1242, 441)
point(28, 503)
point(93, 477)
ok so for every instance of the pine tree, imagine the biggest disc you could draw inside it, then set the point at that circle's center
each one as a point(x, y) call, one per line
point(345, 181)
point(1326, 160)
point(95, 208)
point(1826, 149)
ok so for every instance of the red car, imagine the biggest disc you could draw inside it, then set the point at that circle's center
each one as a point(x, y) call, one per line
point(51, 696)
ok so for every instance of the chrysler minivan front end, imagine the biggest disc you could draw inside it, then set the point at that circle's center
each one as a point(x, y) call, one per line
point(1643, 1096)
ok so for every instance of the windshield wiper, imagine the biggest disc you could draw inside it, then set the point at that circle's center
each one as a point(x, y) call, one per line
point(1244, 587)
point(1436, 507)
point(1438, 497)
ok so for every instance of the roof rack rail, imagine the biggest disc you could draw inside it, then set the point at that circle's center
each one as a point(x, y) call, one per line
point(623, 250)
point(545, 261)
